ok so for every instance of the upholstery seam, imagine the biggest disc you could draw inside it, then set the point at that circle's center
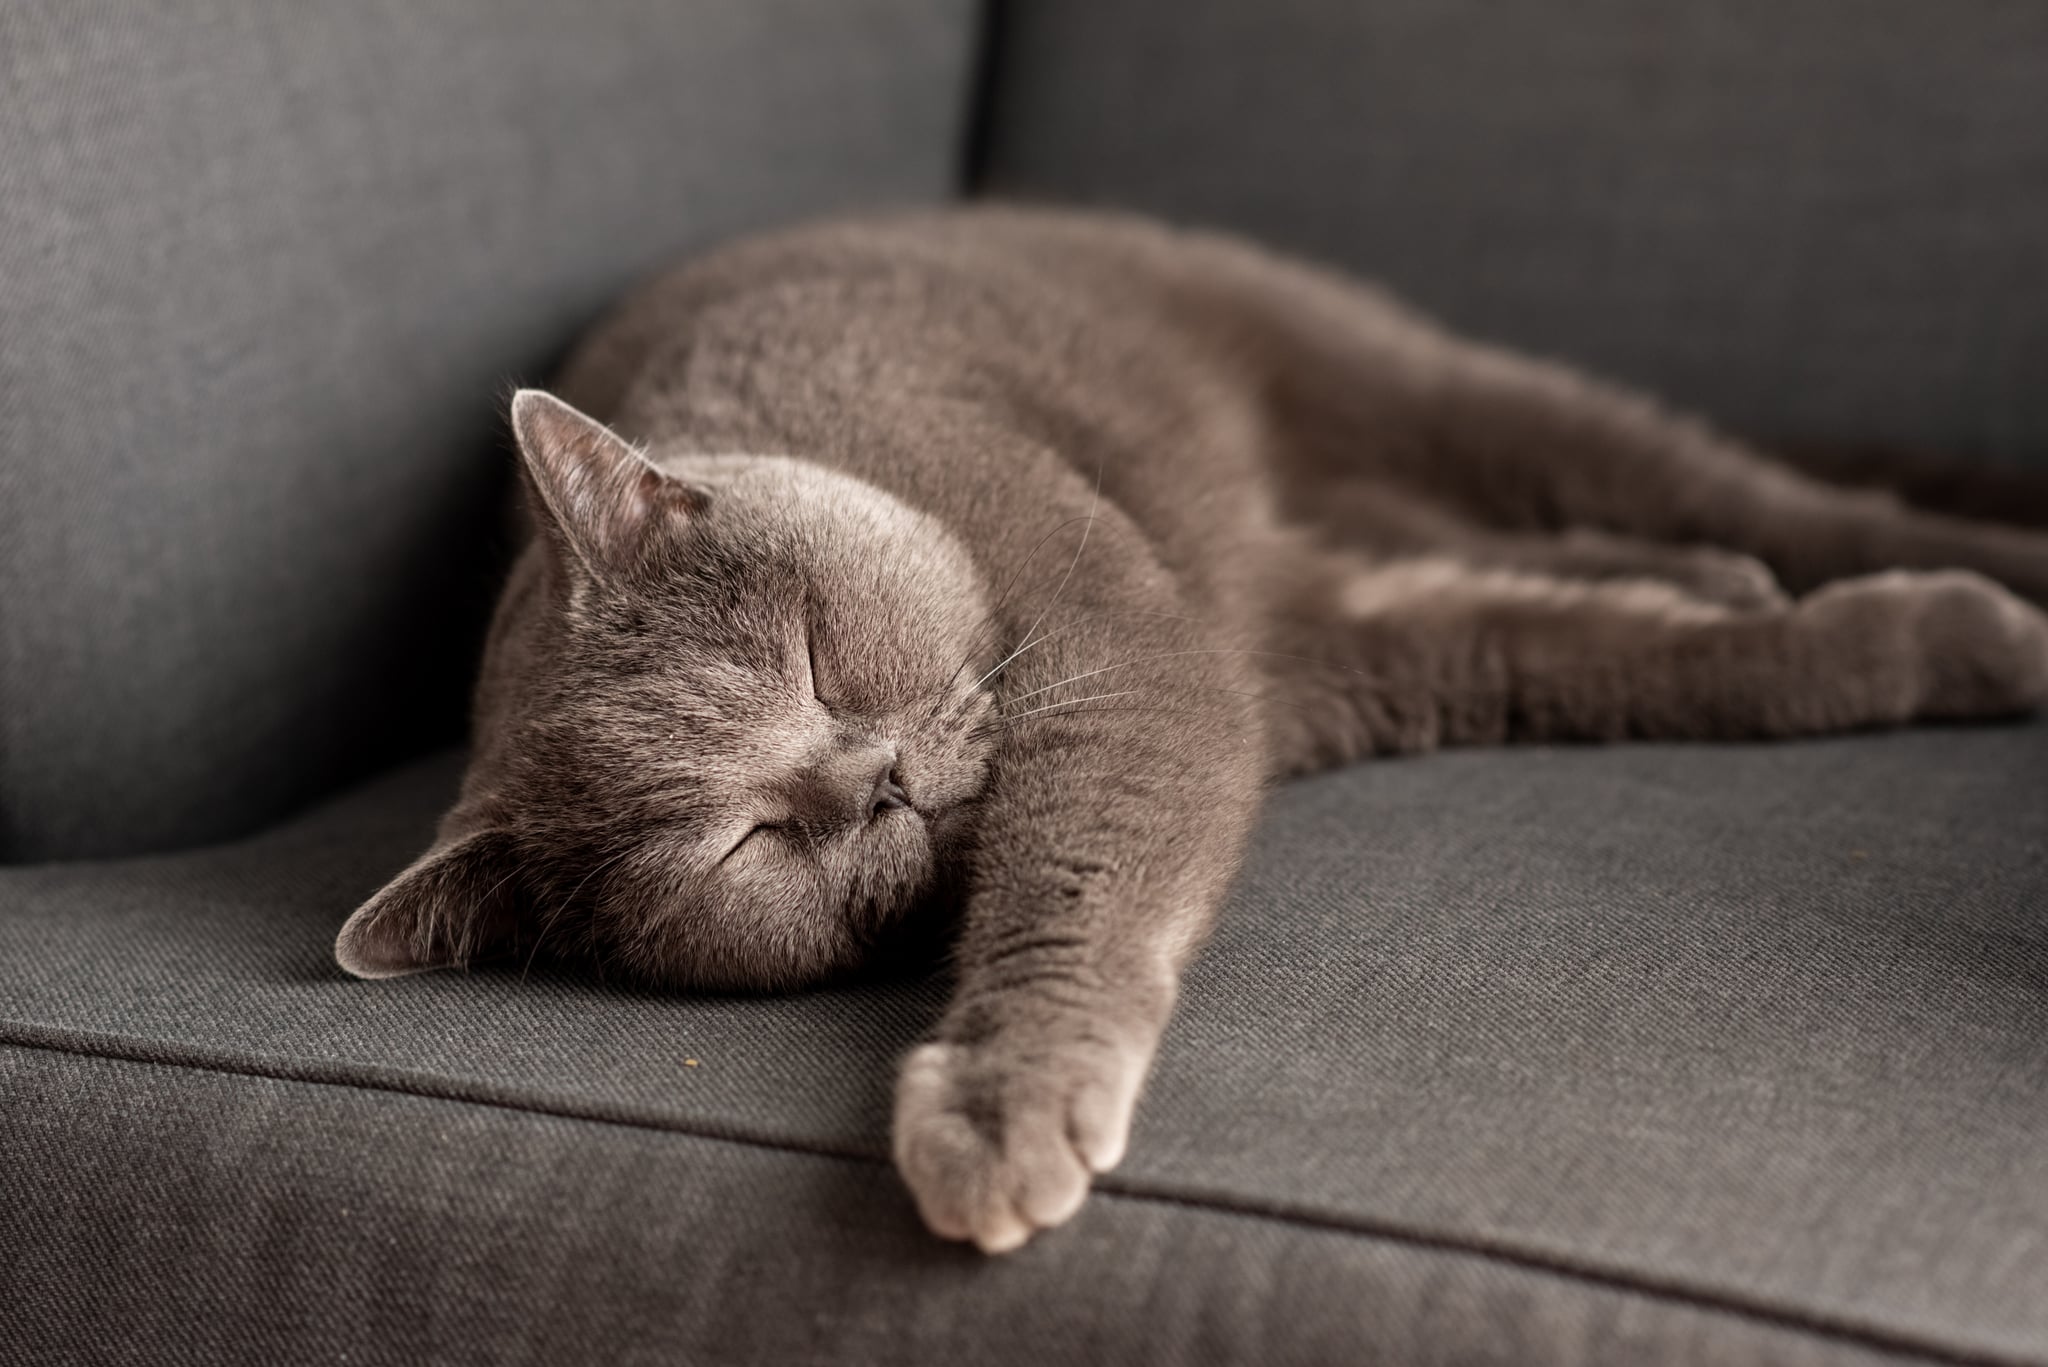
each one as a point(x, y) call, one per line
point(1819, 1324)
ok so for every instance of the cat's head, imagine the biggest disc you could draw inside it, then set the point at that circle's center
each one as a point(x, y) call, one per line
point(729, 729)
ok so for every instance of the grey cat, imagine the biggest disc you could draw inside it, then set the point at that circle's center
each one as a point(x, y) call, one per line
point(973, 572)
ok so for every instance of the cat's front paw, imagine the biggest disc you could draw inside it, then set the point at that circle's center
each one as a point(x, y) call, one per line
point(999, 1140)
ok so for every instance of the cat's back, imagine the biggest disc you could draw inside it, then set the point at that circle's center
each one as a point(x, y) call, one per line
point(996, 247)
point(974, 285)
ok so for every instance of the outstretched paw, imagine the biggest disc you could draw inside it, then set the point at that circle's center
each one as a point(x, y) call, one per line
point(1000, 1140)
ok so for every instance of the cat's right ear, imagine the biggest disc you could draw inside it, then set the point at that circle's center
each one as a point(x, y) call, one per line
point(600, 497)
point(453, 903)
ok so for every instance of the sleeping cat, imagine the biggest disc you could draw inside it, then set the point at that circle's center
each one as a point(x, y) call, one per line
point(971, 573)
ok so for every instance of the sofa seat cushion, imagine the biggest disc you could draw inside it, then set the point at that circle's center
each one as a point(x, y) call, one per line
point(1643, 1054)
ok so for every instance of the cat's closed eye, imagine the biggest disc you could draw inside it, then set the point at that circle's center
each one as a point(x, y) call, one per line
point(811, 658)
point(762, 830)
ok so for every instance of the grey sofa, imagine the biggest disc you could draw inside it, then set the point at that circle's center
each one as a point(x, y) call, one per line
point(1653, 1055)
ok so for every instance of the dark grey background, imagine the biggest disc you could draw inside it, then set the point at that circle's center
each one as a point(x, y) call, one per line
point(268, 271)
point(1812, 219)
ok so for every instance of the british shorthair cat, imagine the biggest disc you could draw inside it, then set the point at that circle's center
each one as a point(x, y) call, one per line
point(968, 575)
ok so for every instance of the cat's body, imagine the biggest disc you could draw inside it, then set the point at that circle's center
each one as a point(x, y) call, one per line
point(1091, 529)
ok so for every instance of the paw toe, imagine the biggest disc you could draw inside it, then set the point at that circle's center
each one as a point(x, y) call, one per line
point(995, 1148)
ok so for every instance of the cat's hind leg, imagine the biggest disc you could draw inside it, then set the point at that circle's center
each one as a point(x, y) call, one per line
point(1935, 482)
point(1525, 444)
point(1413, 655)
point(1360, 385)
point(1385, 522)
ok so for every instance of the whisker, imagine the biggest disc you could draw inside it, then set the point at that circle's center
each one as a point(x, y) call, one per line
point(1157, 688)
point(1063, 702)
point(1257, 697)
point(547, 924)
point(1008, 589)
point(1176, 654)
point(562, 908)
point(1072, 565)
point(462, 948)
point(1092, 617)
point(1039, 714)
point(1029, 631)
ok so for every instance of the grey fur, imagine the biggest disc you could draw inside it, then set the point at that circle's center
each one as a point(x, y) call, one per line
point(1055, 538)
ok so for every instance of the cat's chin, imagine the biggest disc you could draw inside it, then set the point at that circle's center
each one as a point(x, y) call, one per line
point(690, 977)
point(911, 939)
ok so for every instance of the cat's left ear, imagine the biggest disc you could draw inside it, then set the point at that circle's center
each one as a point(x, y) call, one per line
point(600, 497)
point(455, 902)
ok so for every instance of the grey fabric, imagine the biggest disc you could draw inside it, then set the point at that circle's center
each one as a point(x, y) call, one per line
point(1649, 1054)
point(1810, 218)
point(265, 270)
point(1666, 1055)
point(253, 1221)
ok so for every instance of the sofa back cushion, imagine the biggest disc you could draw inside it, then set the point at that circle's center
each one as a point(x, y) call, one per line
point(265, 273)
point(1821, 219)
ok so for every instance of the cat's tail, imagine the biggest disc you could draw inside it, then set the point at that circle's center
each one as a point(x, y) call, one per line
point(1990, 491)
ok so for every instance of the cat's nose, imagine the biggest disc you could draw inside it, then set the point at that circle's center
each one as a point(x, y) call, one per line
point(888, 793)
point(856, 784)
